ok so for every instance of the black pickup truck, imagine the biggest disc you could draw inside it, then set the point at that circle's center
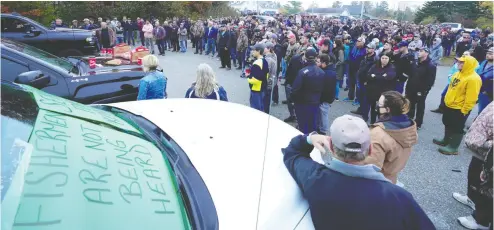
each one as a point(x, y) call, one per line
point(69, 77)
point(62, 42)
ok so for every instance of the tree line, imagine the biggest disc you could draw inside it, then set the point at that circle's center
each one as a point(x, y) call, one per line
point(470, 14)
point(46, 12)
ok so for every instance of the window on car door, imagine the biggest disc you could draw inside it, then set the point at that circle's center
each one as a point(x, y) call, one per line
point(12, 25)
point(11, 69)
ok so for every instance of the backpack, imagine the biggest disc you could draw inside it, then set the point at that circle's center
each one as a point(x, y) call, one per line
point(215, 92)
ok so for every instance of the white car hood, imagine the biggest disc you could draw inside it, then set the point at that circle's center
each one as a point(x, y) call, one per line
point(226, 143)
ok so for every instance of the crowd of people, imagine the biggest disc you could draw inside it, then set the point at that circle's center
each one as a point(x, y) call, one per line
point(388, 70)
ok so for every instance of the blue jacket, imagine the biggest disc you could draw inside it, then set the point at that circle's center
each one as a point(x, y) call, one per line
point(152, 86)
point(356, 56)
point(308, 85)
point(328, 92)
point(487, 78)
point(213, 34)
point(345, 196)
point(216, 95)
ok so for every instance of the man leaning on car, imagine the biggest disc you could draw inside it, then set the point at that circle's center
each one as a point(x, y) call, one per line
point(345, 193)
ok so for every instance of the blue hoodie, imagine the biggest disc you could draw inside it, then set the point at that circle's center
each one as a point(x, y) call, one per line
point(356, 56)
point(486, 73)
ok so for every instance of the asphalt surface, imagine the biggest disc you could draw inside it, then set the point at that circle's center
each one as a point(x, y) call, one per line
point(429, 175)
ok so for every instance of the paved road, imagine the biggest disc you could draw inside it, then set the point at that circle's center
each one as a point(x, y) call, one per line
point(428, 175)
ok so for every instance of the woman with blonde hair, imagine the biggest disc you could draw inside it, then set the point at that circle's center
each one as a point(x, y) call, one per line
point(206, 86)
point(153, 85)
point(393, 136)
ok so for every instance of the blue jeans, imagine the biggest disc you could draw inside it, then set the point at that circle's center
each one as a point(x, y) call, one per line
point(283, 67)
point(149, 44)
point(211, 46)
point(161, 45)
point(483, 101)
point(199, 45)
point(241, 58)
point(324, 118)
point(307, 117)
point(233, 55)
point(347, 81)
point(183, 46)
point(266, 99)
point(256, 100)
point(339, 84)
point(130, 37)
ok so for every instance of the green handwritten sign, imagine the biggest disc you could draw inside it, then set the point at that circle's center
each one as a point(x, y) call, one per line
point(60, 105)
point(86, 176)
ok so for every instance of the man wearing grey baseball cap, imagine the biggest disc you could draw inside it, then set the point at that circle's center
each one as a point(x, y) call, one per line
point(346, 193)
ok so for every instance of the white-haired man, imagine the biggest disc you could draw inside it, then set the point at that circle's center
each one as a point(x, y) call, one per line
point(345, 193)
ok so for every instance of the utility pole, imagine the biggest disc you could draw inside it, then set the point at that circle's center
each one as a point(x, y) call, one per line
point(257, 5)
point(362, 10)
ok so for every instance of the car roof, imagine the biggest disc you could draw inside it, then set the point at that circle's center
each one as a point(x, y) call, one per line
point(244, 170)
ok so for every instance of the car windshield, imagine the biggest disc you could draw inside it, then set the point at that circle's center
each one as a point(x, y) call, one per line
point(61, 169)
point(64, 64)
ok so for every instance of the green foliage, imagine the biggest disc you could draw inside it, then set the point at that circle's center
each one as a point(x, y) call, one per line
point(337, 4)
point(428, 20)
point(469, 13)
point(382, 10)
point(43, 12)
point(46, 12)
point(406, 15)
point(293, 7)
point(368, 6)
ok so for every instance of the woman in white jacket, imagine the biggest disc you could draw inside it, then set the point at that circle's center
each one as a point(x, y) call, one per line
point(148, 36)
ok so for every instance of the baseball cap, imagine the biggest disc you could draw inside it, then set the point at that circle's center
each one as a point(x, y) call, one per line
point(269, 45)
point(425, 49)
point(310, 53)
point(274, 36)
point(490, 50)
point(361, 39)
point(350, 134)
point(291, 35)
point(257, 47)
point(371, 45)
point(403, 43)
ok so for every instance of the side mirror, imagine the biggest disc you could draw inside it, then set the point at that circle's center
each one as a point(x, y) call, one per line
point(35, 79)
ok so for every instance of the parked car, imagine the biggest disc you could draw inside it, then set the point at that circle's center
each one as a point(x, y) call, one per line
point(265, 19)
point(61, 41)
point(144, 165)
point(70, 77)
point(454, 26)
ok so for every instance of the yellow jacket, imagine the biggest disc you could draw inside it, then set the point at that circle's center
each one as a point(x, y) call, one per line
point(464, 87)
